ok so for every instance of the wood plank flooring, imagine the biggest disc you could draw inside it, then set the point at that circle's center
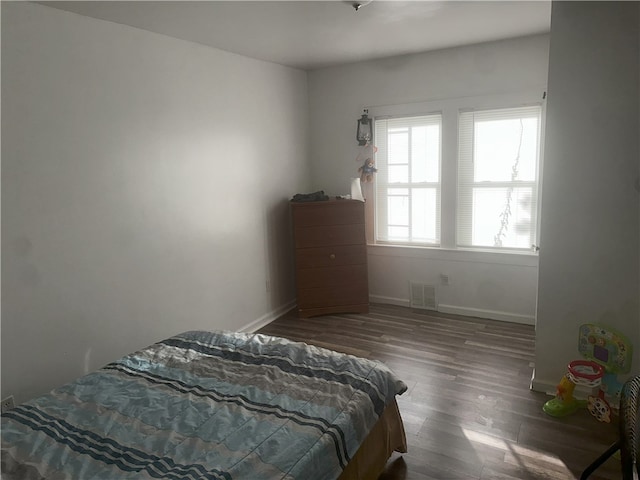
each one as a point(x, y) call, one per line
point(468, 413)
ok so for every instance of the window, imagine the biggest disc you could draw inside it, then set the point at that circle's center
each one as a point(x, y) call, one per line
point(408, 179)
point(459, 178)
point(498, 177)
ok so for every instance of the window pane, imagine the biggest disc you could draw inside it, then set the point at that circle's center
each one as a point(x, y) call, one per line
point(425, 153)
point(400, 234)
point(398, 173)
point(423, 215)
point(505, 149)
point(497, 177)
point(398, 148)
point(398, 210)
point(502, 217)
point(407, 182)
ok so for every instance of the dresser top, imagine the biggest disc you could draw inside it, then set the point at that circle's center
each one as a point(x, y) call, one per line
point(331, 201)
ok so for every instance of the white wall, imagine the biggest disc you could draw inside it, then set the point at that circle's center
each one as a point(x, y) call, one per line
point(590, 244)
point(480, 284)
point(144, 191)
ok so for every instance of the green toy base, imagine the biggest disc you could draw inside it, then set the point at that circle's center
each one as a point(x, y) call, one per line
point(558, 408)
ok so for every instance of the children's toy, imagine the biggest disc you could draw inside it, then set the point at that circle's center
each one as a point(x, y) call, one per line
point(613, 351)
point(579, 372)
point(599, 408)
point(607, 353)
point(367, 163)
point(367, 170)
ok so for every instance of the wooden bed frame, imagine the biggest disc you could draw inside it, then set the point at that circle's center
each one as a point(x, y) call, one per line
point(386, 437)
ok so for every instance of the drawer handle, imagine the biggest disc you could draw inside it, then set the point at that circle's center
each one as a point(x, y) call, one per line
point(332, 256)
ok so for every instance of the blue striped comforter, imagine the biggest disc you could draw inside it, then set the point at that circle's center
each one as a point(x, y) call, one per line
point(203, 405)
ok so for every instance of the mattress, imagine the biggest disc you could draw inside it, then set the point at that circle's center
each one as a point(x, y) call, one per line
point(211, 405)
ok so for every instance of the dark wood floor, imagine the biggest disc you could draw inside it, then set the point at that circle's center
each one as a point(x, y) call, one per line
point(468, 413)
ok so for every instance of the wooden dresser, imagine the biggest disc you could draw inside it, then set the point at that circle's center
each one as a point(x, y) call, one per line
point(331, 257)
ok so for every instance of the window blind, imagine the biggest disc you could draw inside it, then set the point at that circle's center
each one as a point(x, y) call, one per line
point(408, 179)
point(498, 164)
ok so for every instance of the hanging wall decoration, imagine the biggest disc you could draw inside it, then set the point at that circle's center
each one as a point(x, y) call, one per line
point(366, 155)
point(364, 134)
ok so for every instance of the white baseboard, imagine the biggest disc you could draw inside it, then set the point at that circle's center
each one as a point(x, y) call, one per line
point(268, 318)
point(490, 314)
point(466, 311)
point(401, 302)
point(542, 385)
point(404, 302)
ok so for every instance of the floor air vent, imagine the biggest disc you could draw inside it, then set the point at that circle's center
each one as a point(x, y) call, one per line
point(423, 296)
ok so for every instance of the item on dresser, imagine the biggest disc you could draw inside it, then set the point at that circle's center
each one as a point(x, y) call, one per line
point(331, 257)
point(216, 406)
point(310, 197)
point(356, 190)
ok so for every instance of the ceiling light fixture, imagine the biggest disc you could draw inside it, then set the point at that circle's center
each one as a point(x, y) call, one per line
point(358, 5)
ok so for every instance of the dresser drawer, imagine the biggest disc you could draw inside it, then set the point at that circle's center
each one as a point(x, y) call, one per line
point(353, 294)
point(331, 256)
point(328, 235)
point(337, 212)
point(344, 276)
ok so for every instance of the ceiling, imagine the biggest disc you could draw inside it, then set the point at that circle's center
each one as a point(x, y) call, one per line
point(314, 34)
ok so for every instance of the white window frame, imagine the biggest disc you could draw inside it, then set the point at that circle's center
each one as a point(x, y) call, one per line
point(467, 184)
point(381, 177)
point(450, 110)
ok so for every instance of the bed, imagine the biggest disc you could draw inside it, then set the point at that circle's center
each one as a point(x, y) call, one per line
point(212, 405)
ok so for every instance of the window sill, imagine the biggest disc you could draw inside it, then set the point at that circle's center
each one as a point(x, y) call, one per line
point(524, 259)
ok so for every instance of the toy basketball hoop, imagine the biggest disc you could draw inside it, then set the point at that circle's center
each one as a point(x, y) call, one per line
point(586, 373)
point(579, 372)
point(606, 353)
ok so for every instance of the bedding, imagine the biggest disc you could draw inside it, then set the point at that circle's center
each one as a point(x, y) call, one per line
point(209, 405)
